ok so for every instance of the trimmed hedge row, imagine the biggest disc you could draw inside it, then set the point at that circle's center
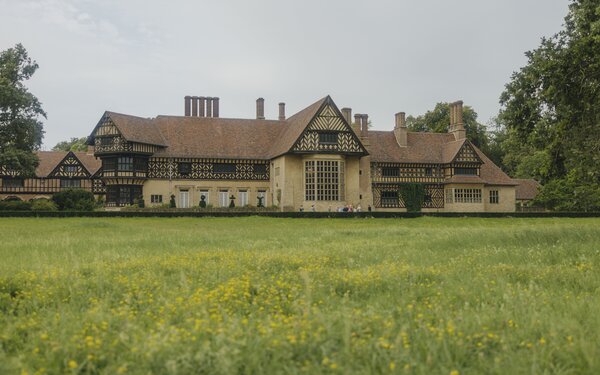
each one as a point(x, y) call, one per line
point(295, 214)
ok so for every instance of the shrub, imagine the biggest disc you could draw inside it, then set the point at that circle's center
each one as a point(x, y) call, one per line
point(74, 200)
point(14, 205)
point(140, 202)
point(172, 201)
point(413, 196)
point(43, 204)
point(202, 201)
point(232, 201)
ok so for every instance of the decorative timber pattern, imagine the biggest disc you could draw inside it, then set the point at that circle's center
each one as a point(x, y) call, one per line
point(98, 186)
point(108, 139)
point(208, 169)
point(467, 154)
point(5, 172)
point(70, 167)
point(111, 144)
point(328, 121)
point(389, 196)
point(398, 173)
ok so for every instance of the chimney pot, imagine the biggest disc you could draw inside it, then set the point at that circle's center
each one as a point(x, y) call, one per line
point(365, 125)
point(187, 101)
point(202, 101)
point(215, 107)
point(400, 120)
point(281, 111)
point(195, 106)
point(260, 109)
point(209, 106)
point(347, 113)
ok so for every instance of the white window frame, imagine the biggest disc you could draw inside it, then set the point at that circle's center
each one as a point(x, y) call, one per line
point(243, 197)
point(223, 198)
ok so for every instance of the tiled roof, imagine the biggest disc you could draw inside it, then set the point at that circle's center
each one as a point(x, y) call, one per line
point(137, 129)
point(527, 189)
point(434, 148)
point(49, 160)
point(207, 137)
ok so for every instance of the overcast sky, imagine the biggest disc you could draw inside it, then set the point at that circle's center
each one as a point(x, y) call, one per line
point(378, 57)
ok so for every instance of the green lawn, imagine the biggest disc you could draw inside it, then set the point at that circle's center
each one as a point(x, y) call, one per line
point(263, 295)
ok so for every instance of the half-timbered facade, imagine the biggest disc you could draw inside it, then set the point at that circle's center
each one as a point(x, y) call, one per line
point(57, 170)
point(318, 159)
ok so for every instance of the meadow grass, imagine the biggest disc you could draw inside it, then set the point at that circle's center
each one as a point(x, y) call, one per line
point(263, 295)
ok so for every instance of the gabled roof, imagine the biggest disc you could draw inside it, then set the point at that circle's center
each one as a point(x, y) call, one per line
point(527, 189)
point(49, 160)
point(433, 148)
point(294, 128)
point(133, 128)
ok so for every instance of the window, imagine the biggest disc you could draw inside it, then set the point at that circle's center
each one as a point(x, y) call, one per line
point(184, 168)
point(261, 198)
point(390, 172)
point(328, 138)
point(109, 164)
point(428, 172)
point(466, 171)
point(223, 198)
point(494, 197)
point(70, 183)
point(125, 163)
point(156, 198)
point(12, 182)
point(389, 198)
point(467, 195)
point(70, 168)
point(140, 164)
point(243, 198)
point(260, 168)
point(449, 196)
point(324, 180)
point(122, 195)
point(224, 168)
point(106, 141)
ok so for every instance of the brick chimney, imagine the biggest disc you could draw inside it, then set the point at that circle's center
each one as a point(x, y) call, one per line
point(456, 121)
point(357, 123)
point(400, 130)
point(209, 101)
point(260, 109)
point(281, 111)
point(215, 107)
point(347, 113)
point(364, 123)
point(187, 100)
point(194, 106)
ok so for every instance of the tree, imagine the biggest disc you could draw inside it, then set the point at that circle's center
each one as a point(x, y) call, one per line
point(21, 131)
point(74, 200)
point(75, 144)
point(551, 112)
point(438, 121)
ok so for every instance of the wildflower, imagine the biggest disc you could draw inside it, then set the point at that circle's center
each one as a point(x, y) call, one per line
point(72, 364)
point(454, 372)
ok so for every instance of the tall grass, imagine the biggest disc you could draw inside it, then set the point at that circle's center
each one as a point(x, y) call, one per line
point(263, 295)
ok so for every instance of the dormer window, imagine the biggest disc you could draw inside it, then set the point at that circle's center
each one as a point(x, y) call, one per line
point(70, 169)
point(328, 138)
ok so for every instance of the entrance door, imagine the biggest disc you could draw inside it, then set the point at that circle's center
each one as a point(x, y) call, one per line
point(184, 199)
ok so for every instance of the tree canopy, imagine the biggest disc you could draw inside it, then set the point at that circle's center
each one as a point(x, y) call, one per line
point(74, 144)
point(21, 130)
point(551, 113)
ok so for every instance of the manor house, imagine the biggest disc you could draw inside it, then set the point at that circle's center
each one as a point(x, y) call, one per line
point(320, 157)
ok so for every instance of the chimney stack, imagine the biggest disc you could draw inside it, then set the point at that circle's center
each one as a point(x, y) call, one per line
point(364, 125)
point(281, 111)
point(215, 107)
point(456, 121)
point(400, 130)
point(357, 124)
point(209, 106)
point(187, 101)
point(347, 113)
point(194, 106)
point(260, 109)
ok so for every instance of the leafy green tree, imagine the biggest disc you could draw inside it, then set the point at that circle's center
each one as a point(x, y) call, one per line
point(74, 144)
point(21, 130)
point(551, 112)
point(438, 121)
point(74, 200)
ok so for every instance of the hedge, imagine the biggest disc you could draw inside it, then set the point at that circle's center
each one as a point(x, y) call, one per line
point(317, 215)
